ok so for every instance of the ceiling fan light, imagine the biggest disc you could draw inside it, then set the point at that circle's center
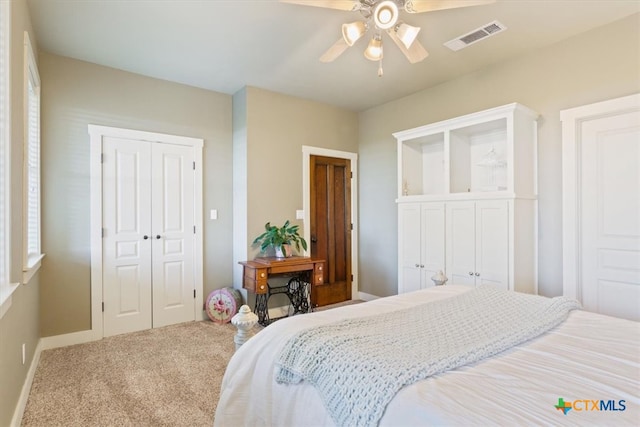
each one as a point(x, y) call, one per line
point(374, 50)
point(353, 31)
point(385, 14)
point(407, 34)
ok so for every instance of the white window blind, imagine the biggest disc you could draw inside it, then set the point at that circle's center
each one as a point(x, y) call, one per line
point(32, 250)
point(33, 174)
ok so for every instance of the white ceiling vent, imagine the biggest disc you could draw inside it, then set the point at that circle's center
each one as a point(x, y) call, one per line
point(475, 36)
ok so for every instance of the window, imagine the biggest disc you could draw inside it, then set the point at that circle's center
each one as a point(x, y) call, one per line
point(6, 288)
point(32, 253)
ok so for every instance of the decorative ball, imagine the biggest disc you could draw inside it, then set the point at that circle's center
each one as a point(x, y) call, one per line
point(223, 304)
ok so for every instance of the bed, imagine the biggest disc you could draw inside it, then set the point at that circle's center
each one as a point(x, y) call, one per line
point(588, 361)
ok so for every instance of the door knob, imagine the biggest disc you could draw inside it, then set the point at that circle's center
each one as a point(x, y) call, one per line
point(145, 237)
point(157, 236)
point(313, 240)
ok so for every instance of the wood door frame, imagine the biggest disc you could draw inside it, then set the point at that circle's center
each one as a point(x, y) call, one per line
point(572, 122)
point(97, 133)
point(307, 152)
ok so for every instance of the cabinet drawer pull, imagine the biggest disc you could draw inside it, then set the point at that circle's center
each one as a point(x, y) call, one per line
point(477, 274)
point(471, 273)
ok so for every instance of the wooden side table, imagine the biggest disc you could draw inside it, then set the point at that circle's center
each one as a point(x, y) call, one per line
point(304, 272)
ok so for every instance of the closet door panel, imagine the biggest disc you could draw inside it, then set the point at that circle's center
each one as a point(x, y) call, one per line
point(173, 234)
point(126, 222)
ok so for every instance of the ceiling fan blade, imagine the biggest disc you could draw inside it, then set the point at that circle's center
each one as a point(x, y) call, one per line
point(329, 4)
point(334, 51)
point(415, 53)
point(419, 6)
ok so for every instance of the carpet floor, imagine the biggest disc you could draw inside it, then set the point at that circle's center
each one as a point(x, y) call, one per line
point(168, 376)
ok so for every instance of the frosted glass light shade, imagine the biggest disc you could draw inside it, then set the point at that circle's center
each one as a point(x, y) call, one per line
point(353, 31)
point(374, 50)
point(407, 34)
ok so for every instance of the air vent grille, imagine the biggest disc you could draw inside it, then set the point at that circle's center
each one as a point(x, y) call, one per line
point(475, 36)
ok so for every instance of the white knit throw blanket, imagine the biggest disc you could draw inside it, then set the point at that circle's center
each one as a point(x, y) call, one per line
point(358, 365)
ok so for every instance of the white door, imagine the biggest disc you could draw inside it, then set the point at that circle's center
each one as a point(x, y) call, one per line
point(492, 244)
point(461, 236)
point(173, 234)
point(148, 243)
point(126, 236)
point(610, 226)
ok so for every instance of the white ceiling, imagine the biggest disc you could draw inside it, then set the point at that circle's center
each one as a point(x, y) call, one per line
point(224, 45)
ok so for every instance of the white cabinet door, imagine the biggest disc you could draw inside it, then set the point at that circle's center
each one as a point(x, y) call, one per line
point(478, 243)
point(461, 236)
point(433, 246)
point(409, 247)
point(492, 244)
point(420, 244)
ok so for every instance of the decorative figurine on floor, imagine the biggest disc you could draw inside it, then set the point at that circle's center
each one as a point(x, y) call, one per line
point(244, 321)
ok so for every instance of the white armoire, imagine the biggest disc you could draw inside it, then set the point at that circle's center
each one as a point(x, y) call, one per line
point(467, 201)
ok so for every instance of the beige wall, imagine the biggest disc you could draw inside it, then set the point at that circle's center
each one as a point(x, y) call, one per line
point(278, 126)
point(269, 132)
point(20, 325)
point(601, 64)
point(76, 94)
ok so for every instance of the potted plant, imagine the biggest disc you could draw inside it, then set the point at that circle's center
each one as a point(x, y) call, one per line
point(281, 239)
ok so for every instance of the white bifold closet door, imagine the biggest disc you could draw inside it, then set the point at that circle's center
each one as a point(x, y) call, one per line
point(148, 235)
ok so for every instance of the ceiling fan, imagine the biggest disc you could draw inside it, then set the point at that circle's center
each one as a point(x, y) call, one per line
point(383, 16)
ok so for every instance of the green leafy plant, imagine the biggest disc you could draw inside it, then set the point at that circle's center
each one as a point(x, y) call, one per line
point(276, 237)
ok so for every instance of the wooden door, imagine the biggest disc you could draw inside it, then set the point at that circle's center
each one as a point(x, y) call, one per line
point(330, 228)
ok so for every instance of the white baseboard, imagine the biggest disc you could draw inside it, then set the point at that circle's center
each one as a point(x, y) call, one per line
point(26, 387)
point(367, 297)
point(73, 338)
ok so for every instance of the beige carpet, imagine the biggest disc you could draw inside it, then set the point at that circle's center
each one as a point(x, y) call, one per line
point(167, 376)
point(161, 377)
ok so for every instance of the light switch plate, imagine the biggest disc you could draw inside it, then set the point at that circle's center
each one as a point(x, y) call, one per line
point(213, 214)
point(299, 214)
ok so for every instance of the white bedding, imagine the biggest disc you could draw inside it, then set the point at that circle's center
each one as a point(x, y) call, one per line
point(588, 357)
